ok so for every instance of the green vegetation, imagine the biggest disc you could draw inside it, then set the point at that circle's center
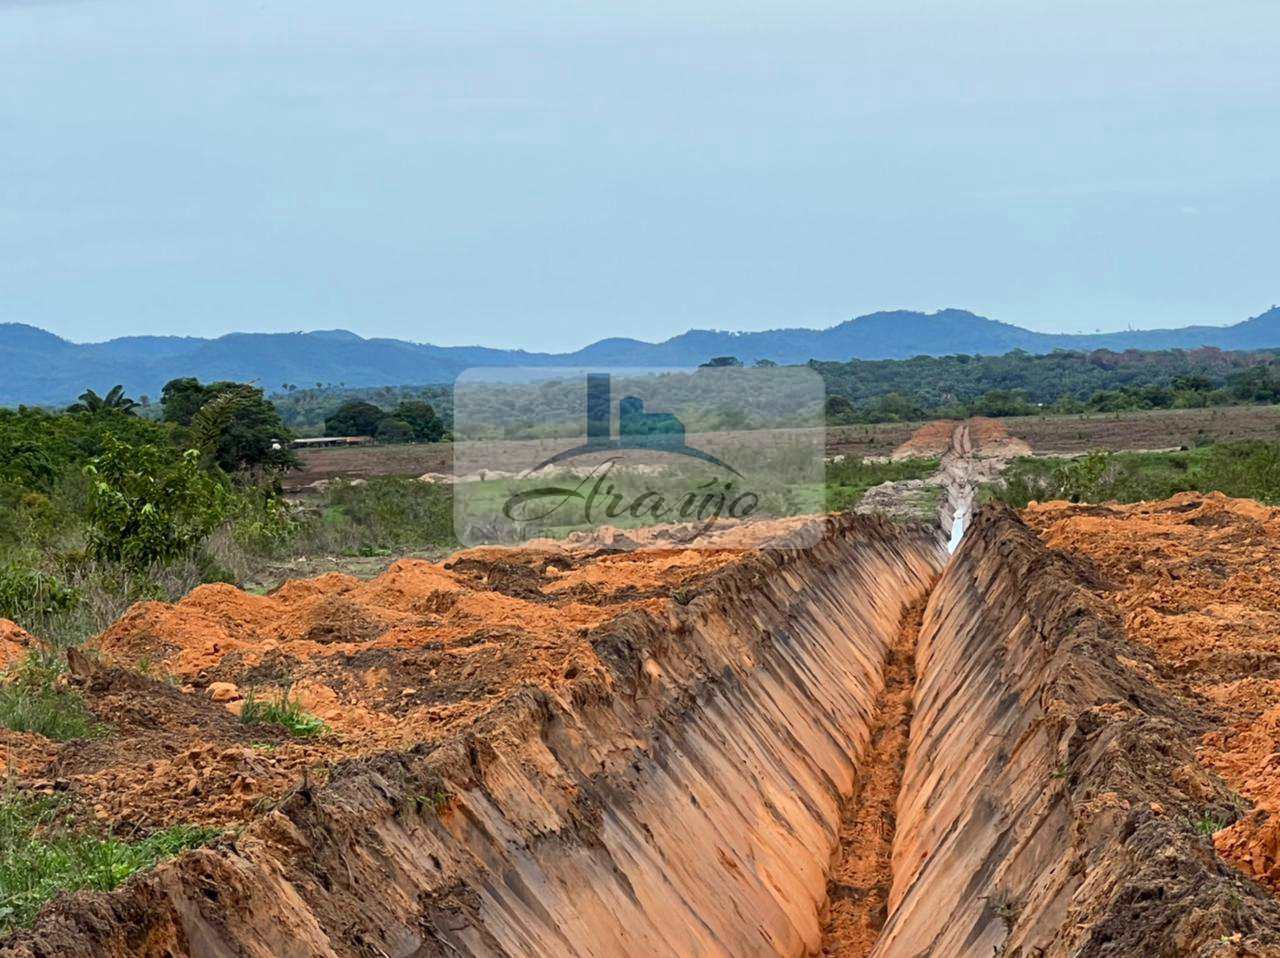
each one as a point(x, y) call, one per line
point(1208, 825)
point(850, 478)
point(150, 504)
point(43, 852)
point(32, 699)
point(383, 514)
point(412, 420)
point(114, 401)
point(282, 710)
point(1241, 469)
point(305, 410)
point(1019, 384)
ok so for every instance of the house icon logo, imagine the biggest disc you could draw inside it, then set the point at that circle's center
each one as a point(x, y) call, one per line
point(637, 428)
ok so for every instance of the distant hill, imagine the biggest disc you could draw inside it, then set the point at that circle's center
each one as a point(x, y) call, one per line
point(41, 368)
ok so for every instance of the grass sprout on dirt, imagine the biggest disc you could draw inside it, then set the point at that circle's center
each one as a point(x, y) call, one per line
point(42, 853)
point(32, 699)
point(284, 711)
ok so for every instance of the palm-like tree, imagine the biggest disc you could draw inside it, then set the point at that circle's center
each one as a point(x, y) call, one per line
point(115, 401)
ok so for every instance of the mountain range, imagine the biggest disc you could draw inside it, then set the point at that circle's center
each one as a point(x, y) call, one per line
point(43, 369)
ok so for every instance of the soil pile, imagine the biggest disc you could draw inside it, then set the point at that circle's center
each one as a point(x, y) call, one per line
point(395, 662)
point(978, 436)
point(1197, 580)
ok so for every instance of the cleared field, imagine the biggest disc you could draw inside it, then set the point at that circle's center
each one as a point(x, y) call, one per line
point(1047, 435)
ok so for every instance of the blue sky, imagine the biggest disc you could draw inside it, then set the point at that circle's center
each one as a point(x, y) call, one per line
point(544, 175)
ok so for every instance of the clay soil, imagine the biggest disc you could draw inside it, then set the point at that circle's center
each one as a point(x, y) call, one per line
point(394, 662)
point(858, 889)
point(1197, 580)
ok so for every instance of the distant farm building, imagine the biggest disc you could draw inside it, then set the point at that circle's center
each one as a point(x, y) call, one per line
point(319, 442)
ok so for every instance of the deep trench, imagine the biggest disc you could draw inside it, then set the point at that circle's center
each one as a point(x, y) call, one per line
point(862, 869)
point(786, 765)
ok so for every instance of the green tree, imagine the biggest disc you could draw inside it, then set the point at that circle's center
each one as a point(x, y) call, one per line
point(391, 429)
point(355, 418)
point(182, 399)
point(114, 401)
point(719, 361)
point(150, 504)
point(240, 430)
point(839, 409)
point(426, 426)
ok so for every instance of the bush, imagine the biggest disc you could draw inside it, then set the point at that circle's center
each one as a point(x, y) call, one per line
point(42, 854)
point(150, 505)
point(261, 521)
point(28, 595)
point(385, 513)
point(851, 477)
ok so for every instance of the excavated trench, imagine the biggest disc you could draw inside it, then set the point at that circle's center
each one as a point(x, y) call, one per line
point(862, 748)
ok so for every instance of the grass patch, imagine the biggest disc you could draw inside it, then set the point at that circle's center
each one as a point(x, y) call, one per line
point(1209, 825)
point(849, 479)
point(1245, 470)
point(33, 700)
point(283, 710)
point(42, 854)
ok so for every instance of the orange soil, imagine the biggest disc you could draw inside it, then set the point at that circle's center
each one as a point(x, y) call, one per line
point(1197, 579)
point(392, 662)
point(858, 887)
point(989, 438)
point(14, 643)
point(931, 439)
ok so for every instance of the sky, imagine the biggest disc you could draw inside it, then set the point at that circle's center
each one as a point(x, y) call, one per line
point(543, 175)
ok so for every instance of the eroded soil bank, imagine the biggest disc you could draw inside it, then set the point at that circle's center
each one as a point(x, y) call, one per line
point(1052, 800)
point(649, 758)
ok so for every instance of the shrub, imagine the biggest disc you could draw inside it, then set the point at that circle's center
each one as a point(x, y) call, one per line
point(261, 521)
point(28, 595)
point(150, 505)
point(387, 512)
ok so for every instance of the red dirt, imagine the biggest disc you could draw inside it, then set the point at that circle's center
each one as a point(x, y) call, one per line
point(389, 663)
point(14, 642)
point(858, 887)
point(1198, 582)
point(988, 438)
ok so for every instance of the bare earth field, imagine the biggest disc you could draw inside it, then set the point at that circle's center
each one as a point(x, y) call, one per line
point(1047, 435)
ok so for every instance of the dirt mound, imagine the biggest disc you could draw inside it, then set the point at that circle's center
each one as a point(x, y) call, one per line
point(1197, 580)
point(991, 438)
point(929, 441)
point(14, 643)
point(979, 436)
point(394, 662)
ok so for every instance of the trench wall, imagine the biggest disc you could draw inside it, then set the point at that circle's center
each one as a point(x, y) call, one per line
point(682, 801)
point(1050, 794)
